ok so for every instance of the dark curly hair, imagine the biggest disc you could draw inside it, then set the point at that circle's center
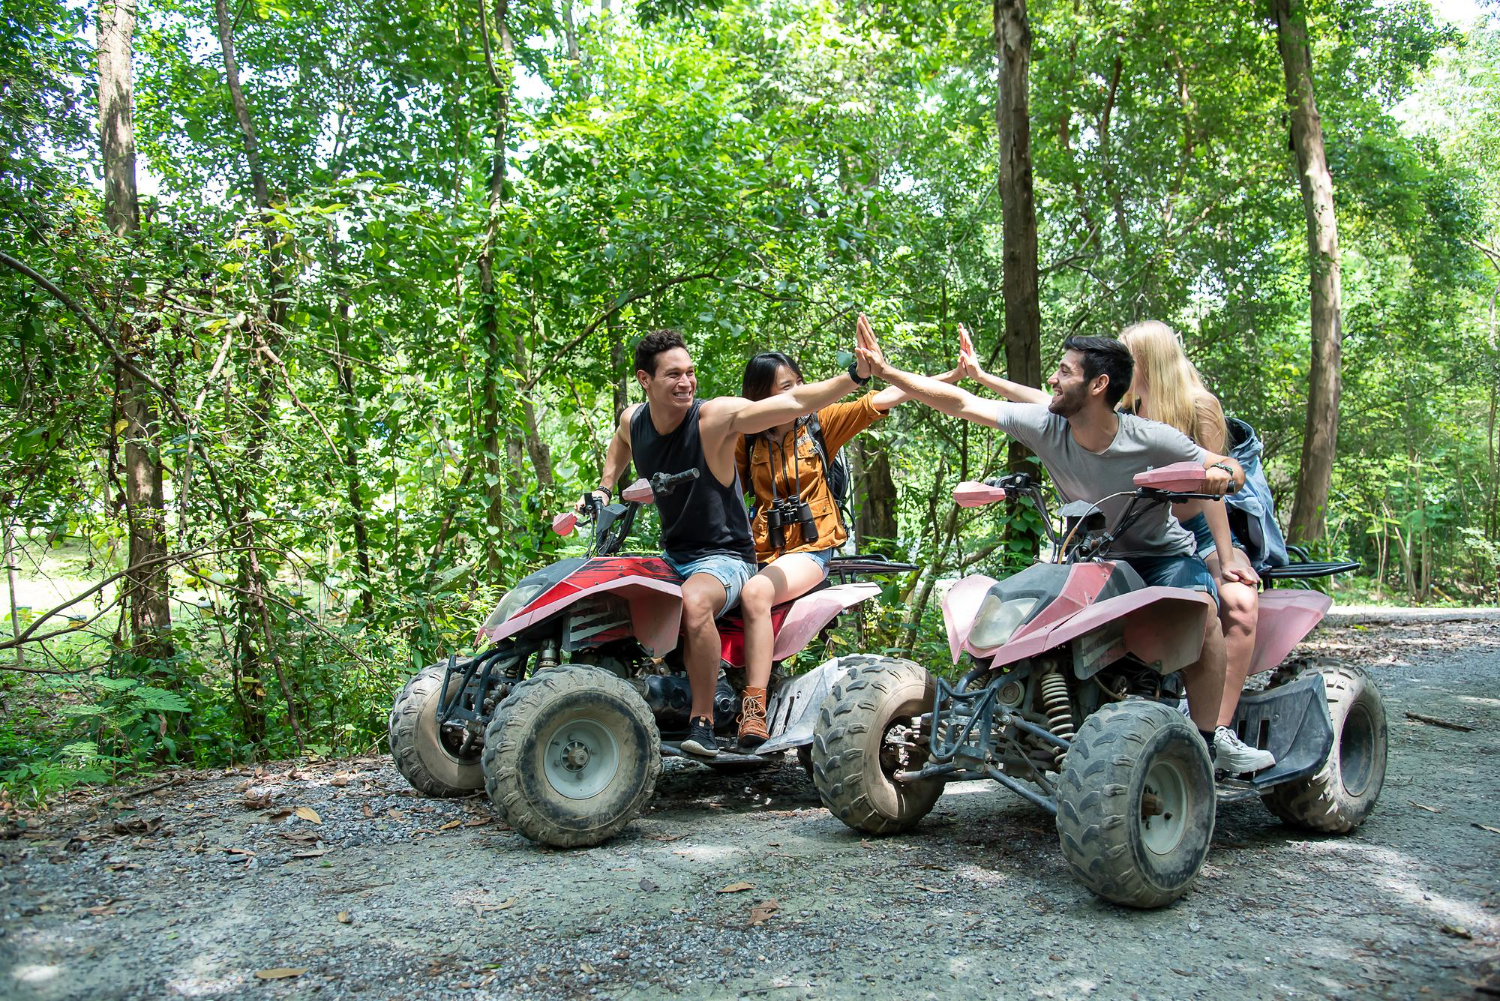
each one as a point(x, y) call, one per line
point(1105, 356)
point(654, 344)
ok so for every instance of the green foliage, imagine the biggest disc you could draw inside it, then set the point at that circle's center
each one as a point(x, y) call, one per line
point(342, 394)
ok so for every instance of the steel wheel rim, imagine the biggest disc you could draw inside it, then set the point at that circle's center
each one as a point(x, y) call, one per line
point(1162, 832)
point(1357, 750)
point(581, 758)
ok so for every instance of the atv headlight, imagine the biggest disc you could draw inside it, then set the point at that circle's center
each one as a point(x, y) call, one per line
point(998, 619)
point(515, 600)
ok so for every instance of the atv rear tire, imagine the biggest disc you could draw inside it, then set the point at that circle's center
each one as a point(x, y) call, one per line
point(1135, 804)
point(852, 775)
point(1339, 796)
point(572, 756)
point(432, 766)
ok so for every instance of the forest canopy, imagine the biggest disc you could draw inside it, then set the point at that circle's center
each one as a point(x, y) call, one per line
point(314, 311)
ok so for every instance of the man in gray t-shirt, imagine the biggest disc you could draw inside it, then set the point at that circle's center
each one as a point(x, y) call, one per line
point(1093, 451)
point(1080, 474)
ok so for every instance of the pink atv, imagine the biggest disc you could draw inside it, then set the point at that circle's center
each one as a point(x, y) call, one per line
point(1071, 701)
point(579, 687)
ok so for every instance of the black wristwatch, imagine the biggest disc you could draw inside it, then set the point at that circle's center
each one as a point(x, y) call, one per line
point(854, 374)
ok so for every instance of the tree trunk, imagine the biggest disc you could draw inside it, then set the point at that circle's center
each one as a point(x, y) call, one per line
point(145, 592)
point(1023, 321)
point(1320, 434)
point(489, 309)
point(10, 577)
point(254, 636)
point(875, 525)
point(353, 441)
point(570, 32)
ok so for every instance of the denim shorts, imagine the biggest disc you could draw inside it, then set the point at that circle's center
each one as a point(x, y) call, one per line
point(729, 570)
point(822, 557)
point(1198, 525)
point(1175, 571)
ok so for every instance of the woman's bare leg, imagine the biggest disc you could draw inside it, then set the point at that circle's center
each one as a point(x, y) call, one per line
point(787, 578)
point(1239, 607)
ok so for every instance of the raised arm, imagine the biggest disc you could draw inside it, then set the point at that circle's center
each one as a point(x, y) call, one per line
point(938, 395)
point(891, 396)
point(968, 366)
point(730, 415)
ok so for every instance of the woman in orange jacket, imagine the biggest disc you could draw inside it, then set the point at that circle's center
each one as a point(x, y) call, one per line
point(782, 467)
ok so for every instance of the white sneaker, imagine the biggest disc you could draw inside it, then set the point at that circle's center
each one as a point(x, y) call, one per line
point(1233, 755)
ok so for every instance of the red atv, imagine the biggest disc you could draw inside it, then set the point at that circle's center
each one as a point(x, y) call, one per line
point(579, 687)
point(1071, 701)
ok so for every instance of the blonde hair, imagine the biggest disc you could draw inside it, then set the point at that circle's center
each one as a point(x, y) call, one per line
point(1175, 390)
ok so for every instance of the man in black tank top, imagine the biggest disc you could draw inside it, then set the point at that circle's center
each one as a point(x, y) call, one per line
point(705, 529)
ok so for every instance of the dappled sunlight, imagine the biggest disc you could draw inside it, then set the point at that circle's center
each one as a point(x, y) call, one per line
point(36, 973)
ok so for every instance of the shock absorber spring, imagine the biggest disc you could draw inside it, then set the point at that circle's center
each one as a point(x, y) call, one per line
point(1056, 704)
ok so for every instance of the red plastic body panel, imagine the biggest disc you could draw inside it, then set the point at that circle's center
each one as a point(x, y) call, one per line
point(811, 612)
point(651, 588)
point(972, 494)
point(564, 523)
point(960, 605)
point(1185, 477)
point(638, 492)
point(1162, 624)
point(654, 594)
point(1285, 617)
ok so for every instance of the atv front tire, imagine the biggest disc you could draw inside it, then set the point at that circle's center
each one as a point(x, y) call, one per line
point(1339, 796)
point(1135, 804)
point(852, 765)
point(428, 759)
point(572, 756)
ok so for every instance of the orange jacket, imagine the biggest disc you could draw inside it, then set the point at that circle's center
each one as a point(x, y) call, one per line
point(840, 423)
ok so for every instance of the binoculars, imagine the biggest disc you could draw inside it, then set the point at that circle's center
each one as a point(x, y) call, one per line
point(790, 512)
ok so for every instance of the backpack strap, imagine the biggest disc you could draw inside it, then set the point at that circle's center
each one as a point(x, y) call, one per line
point(815, 432)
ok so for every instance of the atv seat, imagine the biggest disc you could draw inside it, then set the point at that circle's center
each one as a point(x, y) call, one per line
point(1303, 568)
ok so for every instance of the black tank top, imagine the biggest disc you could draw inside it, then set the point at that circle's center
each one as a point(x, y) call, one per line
point(700, 517)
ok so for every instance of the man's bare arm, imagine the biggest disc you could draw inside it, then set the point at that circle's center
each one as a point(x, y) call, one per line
point(937, 395)
point(730, 415)
point(1220, 479)
point(968, 364)
point(616, 458)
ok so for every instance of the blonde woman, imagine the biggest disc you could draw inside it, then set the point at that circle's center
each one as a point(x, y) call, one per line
point(1167, 388)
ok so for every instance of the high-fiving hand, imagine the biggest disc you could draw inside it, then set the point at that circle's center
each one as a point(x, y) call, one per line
point(968, 360)
point(866, 350)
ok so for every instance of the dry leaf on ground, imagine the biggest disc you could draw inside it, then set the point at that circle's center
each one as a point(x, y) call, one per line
point(344, 917)
point(762, 911)
point(739, 887)
point(1421, 806)
point(308, 814)
point(281, 972)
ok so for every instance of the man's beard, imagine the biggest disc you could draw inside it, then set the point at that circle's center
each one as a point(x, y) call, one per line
point(1065, 404)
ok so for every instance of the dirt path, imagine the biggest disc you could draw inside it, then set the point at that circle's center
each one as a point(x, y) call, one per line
point(377, 893)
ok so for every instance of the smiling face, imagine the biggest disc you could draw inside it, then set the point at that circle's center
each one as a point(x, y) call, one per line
point(671, 388)
point(1070, 388)
point(786, 380)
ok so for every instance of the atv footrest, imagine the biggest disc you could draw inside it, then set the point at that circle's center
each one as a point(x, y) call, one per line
point(1291, 721)
point(670, 749)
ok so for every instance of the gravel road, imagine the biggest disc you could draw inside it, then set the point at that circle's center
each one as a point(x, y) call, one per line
point(334, 880)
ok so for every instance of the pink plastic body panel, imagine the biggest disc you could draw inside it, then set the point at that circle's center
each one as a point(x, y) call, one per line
point(960, 605)
point(811, 612)
point(1084, 583)
point(564, 523)
point(653, 594)
point(972, 494)
point(1285, 618)
point(638, 492)
point(1162, 624)
point(1186, 477)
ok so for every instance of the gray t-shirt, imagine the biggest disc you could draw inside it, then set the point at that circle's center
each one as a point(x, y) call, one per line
point(1088, 476)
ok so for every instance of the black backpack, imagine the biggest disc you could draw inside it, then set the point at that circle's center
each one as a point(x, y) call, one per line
point(835, 470)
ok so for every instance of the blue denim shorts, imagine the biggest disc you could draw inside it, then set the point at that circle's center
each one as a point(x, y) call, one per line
point(731, 571)
point(822, 557)
point(1198, 525)
point(1175, 571)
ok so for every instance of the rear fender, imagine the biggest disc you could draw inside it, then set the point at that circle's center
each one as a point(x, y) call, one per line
point(1285, 617)
point(811, 612)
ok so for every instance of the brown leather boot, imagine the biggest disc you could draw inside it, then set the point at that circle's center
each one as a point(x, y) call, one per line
point(753, 730)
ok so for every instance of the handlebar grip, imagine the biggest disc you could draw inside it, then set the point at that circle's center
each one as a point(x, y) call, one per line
point(663, 482)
